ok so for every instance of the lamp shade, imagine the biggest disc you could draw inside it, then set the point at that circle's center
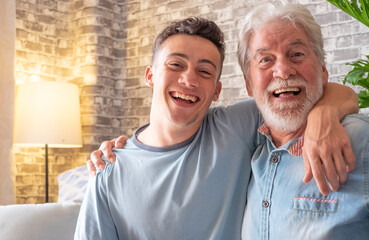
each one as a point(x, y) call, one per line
point(48, 113)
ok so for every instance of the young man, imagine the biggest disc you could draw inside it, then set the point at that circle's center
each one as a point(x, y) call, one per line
point(283, 63)
point(184, 175)
point(176, 178)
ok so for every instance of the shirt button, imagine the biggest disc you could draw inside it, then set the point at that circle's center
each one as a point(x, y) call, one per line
point(274, 159)
point(265, 204)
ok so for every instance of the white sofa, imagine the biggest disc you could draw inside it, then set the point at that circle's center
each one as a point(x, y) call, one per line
point(47, 221)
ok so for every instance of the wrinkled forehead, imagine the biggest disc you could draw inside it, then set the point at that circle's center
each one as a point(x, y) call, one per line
point(278, 32)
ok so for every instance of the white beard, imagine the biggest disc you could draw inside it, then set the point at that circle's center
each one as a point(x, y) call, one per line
point(290, 116)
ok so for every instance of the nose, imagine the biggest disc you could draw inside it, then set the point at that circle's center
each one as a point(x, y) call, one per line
point(283, 69)
point(189, 78)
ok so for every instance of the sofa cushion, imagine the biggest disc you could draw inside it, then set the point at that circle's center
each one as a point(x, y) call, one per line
point(73, 184)
point(51, 221)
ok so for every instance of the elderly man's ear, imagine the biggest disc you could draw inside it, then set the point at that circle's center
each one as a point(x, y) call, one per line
point(248, 85)
point(325, 75)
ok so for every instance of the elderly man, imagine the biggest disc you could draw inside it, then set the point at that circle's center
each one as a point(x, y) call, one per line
point(282, 57)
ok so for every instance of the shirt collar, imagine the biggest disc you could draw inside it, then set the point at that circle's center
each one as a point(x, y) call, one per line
point(295, 149)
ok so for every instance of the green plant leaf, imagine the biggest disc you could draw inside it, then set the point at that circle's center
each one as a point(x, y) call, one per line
point(363, 97)
point(352, 8)
point(360, 74)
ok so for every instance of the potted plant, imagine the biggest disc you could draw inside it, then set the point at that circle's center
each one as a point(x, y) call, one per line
point(359, 75)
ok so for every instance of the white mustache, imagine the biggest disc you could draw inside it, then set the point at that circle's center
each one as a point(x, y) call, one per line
point(294, 81)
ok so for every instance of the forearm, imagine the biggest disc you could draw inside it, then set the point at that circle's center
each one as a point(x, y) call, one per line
point(337, 101)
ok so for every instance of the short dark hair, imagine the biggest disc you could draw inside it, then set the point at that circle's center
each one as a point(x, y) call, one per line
point(195, 26)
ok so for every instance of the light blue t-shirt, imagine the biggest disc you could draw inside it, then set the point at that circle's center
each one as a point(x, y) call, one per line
point(191, 190)
point(281, 206)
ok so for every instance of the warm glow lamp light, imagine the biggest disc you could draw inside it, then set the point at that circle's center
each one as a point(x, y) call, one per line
point(47, 114)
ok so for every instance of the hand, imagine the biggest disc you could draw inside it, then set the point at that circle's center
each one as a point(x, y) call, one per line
point(327, 153)
point(106, 150)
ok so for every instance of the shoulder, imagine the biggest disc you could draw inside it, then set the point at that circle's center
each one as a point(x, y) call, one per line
point(244, 105)
point(236, 122)
point(357, 127)
point(241, 112)
point(356, 124)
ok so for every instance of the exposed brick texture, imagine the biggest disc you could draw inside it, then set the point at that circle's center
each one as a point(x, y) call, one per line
point(103, 46)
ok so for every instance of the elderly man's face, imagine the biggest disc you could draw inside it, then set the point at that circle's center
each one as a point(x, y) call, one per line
point(285, 78)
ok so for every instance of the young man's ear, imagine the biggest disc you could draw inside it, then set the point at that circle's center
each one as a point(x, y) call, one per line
point(248, 86)
point(218, 89)
point(149, 77)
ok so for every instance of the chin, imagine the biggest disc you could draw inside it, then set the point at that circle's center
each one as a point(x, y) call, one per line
point(285, 119)
point(287, 124)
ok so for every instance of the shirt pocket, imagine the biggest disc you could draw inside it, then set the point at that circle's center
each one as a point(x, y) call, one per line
point(313, 204)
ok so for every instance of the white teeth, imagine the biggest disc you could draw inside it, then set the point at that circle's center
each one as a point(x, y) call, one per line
point(185, 97)
point(292, 89)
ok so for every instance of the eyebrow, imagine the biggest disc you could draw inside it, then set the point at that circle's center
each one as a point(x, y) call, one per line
point(293, 43)
point(186, 57)
point(298, 42)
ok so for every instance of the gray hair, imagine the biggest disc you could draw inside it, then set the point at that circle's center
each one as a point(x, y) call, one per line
point(295, 13)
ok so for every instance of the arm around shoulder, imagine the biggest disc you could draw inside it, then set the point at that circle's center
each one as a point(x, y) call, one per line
point(340, 100)
point(326, 141)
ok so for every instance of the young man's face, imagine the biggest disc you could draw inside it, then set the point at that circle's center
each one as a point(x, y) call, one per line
point(286, 78)
point(184, 78)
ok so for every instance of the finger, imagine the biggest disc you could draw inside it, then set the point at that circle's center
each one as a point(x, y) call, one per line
point(349, 157)
point(106, 150)
point(107, 144)
point(331, 173)
point(341, 169)
point(120, 142)
point(308, 173)
point(91, 168)
point(96, 159)
point(318, 173)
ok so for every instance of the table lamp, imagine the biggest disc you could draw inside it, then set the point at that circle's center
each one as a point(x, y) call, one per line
point(47, 114)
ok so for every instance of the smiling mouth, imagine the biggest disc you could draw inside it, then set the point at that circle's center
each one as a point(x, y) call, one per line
point(184, 97)
point(287, 92)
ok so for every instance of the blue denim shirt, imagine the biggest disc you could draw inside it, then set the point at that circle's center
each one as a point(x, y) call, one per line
point(281, 206)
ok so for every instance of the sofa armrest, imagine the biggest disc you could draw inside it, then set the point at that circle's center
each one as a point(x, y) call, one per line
point(51, 221)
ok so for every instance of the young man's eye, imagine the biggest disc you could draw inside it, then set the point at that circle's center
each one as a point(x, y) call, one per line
point(174, 64)
point(205, 72)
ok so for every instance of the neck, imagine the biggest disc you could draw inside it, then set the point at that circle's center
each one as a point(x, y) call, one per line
point(280, 138)
point(162, 135)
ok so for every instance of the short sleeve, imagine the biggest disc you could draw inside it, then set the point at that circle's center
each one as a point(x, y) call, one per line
point(95, 220)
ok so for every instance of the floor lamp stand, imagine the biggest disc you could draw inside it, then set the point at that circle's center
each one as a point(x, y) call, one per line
point(46, 174)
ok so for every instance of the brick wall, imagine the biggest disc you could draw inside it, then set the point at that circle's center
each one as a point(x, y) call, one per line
point(103, 46)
